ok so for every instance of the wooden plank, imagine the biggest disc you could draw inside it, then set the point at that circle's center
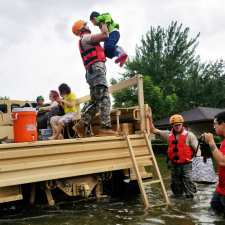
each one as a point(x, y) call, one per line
point(138, 175)
point(34, 162)
point(148, 142)
point(17, 146)
point(6, 130)
point(147, 122)
point(141, 102)
point(54, 160)
point(65, 148)
point(57, 172)
point(11, 198)
point(50, 199)
point(8, 194)
point(123, 84)
point(112, 89)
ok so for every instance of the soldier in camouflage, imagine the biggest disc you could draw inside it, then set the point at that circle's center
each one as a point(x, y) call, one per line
point(94, 61)
point(99, 102)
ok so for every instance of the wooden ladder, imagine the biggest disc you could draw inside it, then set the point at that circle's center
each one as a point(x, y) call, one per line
point(142, 183)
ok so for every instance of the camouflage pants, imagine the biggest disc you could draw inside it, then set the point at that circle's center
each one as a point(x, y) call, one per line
point(181, 180)
point(100, 102)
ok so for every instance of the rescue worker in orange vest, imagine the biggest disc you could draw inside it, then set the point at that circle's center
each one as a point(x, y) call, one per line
point(93, 57)
point(218, 199)
point(181, 147)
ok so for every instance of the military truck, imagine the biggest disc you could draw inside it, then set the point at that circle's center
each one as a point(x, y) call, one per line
point(80, 167)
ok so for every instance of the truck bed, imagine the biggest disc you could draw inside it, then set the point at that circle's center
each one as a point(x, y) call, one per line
point(22, 163)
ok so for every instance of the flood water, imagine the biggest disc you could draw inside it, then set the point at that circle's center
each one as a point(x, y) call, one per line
point(112, 211)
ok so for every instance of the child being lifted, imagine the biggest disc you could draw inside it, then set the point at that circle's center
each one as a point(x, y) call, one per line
point(106, 23)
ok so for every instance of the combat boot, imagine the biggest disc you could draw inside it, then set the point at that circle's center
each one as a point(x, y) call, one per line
point(79, 129)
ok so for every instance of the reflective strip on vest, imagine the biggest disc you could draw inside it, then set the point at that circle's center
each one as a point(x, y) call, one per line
point(184, 153)
point(92, 55)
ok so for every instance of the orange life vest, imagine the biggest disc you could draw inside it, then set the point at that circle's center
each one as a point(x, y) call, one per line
point(178, 151)
point(92, 55)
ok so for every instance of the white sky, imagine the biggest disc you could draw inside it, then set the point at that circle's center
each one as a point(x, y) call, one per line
point(38, 51)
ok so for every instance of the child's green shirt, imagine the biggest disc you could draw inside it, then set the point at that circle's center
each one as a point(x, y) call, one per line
point(106, 18)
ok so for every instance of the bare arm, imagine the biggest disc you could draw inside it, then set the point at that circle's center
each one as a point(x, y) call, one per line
point(193, 141)
point(104, 29)
point(217, 155)
point(163, 133)
point(152, 127)
point(68, 103)
point(45, 108)
point(100, 37)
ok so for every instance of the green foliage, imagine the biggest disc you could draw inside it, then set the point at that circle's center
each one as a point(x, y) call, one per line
point(165, 54)
point(174, 78)
point(203, 88)
point(159, 101)
point(152, 93)
point(125, 98)
point(213, 83)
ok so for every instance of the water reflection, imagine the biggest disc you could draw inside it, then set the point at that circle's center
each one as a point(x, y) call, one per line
point(120, 211)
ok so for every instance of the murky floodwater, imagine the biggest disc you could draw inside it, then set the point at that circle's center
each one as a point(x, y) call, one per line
point(110, 211)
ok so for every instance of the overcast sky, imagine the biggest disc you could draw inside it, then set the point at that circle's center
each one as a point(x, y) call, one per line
point(38, 50)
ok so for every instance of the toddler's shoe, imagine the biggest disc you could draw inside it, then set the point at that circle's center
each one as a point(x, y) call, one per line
point(122, 59)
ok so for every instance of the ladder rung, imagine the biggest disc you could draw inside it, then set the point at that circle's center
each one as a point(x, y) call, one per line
point(151, 182)
point(158, 205)
point(140, 180)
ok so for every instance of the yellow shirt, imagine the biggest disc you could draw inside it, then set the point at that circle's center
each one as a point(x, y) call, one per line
point(71, 98)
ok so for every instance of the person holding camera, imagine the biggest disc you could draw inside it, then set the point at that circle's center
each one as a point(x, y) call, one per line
point(181, 147)
point(218, 200)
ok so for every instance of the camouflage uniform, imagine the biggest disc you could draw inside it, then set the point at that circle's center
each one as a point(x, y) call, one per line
point(100, 100)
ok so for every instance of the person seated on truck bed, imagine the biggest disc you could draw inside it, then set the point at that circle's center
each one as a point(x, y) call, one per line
point(53, 109)
point(40, 102)
point(53, 96)
point(40, 114)
point(68, 103)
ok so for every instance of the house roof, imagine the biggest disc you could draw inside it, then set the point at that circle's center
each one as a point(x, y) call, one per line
point(194, 115)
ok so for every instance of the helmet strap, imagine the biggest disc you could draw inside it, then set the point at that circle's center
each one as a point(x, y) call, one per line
point(84, 31)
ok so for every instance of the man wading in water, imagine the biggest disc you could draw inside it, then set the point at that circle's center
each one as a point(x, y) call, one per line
point(181, 146)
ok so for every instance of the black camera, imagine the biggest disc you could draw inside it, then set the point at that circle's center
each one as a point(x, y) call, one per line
point(205, 148)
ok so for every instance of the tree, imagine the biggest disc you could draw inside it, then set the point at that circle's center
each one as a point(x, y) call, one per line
point(165, 57)
point(152, 94)
point(207, 85)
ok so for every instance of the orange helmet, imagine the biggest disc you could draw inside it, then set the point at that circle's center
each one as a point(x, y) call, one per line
point(77, 26)
point(176, 118)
